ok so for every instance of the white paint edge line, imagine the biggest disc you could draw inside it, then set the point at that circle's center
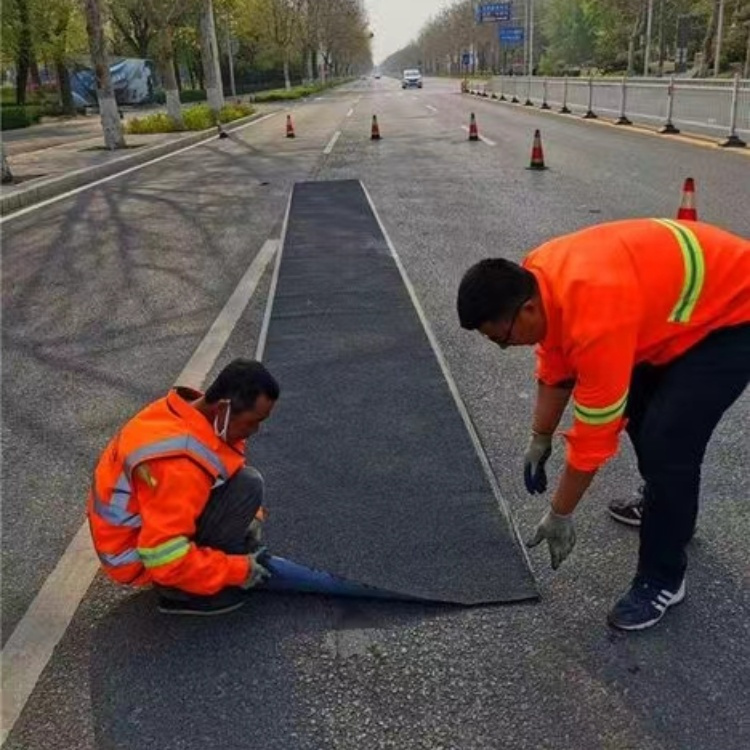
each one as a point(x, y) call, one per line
point(332, 142)
point(109, 178)
point(32, 643)
point(208, 350)
point(481, 137)
point(34, 639)
point(463, 411)
point(261, 347)
point(431, 108)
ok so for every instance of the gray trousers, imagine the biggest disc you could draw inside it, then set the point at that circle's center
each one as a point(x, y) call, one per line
point(225, 521)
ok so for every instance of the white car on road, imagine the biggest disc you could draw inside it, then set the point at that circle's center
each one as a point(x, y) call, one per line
point(412, 79)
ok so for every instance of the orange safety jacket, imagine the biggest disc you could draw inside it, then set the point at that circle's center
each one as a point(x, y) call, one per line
point(150, 486)
point(626, 292)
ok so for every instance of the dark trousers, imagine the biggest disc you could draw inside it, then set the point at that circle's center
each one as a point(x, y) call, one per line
point(225, 521)
point(672, 412)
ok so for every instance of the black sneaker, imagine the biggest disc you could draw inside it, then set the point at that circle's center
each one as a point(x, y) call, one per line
point(629, 513)
point(220, 604)
point(644, 605)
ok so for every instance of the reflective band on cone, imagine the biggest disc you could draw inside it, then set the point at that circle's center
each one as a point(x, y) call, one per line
point(687, 210)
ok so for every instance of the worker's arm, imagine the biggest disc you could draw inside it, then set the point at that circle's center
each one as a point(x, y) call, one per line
point(551, 401)
point(172, 493)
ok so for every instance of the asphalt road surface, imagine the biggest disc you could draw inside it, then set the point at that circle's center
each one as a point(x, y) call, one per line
point(106, 296)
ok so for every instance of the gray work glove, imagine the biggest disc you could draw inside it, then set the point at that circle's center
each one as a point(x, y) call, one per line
point(537, 453)
point(258, 574)
point(560, 534)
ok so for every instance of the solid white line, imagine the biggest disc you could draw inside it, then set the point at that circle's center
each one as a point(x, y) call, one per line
point(453, 387)
point(350, 112)
point(90, 185)
point(30, 646)
point(431, 108)
point(481, 137)
point(261, 347)
point(332, 142)
point(208, 350)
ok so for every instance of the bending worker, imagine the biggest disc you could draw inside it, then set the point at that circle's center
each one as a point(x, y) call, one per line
point(646, 322)
point(172, 502)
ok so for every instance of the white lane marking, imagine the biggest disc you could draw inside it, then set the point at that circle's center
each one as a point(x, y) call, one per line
point(332, 142)
point(350, 112)
point(481, 137)
point(145, 164)
point(209, 349)
point(30, 646)
point(478, 447)
point(431, 108)
point(260, 349)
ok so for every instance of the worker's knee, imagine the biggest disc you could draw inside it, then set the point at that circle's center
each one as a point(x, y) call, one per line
point(249, 482)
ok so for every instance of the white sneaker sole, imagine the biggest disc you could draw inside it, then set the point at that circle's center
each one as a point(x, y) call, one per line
point(635, 522)
point(676, 599)
point(202, 613)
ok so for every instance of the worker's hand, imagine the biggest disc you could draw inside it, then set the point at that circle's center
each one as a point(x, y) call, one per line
point(560, 534)
point(258, 574)
point(537, 453)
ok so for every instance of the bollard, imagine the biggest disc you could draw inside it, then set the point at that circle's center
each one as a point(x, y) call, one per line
point(502, 89)
point(564, 109)
point(544, 95)
point(622, 119)
point(733, 140)
point(514, 100)
point(7, 174)
point(528, 102)
point(590, 115)
point(669, 128)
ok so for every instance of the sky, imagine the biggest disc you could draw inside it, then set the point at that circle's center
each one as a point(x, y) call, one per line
point(397, 22)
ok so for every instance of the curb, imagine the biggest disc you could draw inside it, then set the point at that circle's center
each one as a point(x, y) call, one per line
point(57, 185)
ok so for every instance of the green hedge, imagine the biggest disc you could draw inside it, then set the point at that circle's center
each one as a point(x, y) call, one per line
point(296, 92)
point(198, 117)
point(13, 117)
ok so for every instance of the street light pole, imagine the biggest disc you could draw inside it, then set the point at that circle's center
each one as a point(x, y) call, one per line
point(647, 53)
point(230, 57)
point(531, 37)
point(719, 35)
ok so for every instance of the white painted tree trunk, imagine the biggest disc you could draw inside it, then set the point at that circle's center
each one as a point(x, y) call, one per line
point(114, 136)
point(287, 80)
point(7, 174)
point(210, 55)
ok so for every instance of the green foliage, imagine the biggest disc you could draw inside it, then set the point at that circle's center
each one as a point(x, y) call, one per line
point(12, 116)
point(187, 96)
point(296, 92)
point(198, 117)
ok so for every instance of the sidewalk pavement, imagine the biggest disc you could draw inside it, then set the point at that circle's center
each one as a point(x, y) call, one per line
point(52, 158)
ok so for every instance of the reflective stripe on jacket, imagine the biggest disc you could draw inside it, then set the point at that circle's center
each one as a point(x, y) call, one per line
point(627, 292)
point(167, 436)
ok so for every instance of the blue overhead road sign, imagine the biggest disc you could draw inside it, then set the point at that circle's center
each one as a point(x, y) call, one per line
point(493, 12)
point(511, 35)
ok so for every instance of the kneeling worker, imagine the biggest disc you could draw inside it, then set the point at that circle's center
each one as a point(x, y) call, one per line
point(172, 502)
point(646, 322)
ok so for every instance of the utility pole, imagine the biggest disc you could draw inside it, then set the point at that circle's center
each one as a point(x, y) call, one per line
point(647, 53)
point(531, 37)
point(719, 35)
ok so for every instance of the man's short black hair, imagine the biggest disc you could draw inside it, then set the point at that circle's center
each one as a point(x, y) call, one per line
point(492, 290)
point(242, 381)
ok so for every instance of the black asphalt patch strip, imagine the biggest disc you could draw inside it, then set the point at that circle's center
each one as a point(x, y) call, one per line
point(370, 470)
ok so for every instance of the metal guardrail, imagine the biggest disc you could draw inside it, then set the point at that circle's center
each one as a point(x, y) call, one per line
point(703, 106)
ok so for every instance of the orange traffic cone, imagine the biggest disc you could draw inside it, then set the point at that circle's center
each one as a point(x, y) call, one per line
point(687, 210)
point(375, 132)
point(473, 129)
point(289, 127)
point(537, 155)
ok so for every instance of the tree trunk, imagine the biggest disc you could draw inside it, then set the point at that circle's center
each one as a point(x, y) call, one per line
point(746, 67)
point(210, 57)
point(23, 60)
point(287, 80)
point(177, 77)
point(165, 64)
point(662, 40)
point(63, 83)
point(636, 32)
point(7, 174)
point(708, 46)
point(111, 125)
